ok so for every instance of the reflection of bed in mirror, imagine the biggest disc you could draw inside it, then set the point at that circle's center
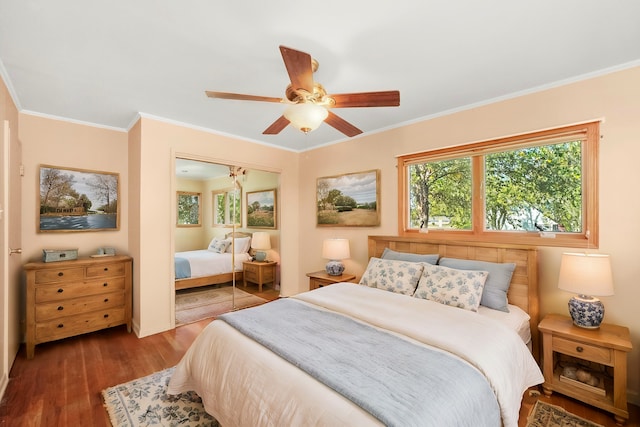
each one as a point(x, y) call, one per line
point(212, 266)
point(378, 355)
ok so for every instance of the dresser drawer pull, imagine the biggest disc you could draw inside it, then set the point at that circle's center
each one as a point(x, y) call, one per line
point(60, 308)
point(105, 316)
point(60, 274)
point(106, 300)
point(105, 284)
point(579, 349)
point(60, 325)
point(60, 290)
point(106, 269)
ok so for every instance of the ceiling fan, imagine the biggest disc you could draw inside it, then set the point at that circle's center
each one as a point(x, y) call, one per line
point(309, 103)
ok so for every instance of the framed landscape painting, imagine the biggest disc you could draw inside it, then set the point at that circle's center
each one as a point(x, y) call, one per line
point(78, 200)
point(349, 200)
point(261, 209)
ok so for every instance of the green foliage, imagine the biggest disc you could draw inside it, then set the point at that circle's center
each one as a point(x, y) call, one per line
point(188, 209)
point(535, 187)
point(526, 189)
point(441, 189)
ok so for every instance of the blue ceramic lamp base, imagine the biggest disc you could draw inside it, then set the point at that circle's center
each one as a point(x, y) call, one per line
point(334, 268)
point(586, 312)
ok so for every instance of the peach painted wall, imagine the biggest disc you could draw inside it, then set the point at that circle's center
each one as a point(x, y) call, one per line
point(160, 143)
point(65, 144)
point(614, 98)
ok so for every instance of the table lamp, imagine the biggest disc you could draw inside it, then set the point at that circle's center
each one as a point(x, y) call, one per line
point(335, 250)
point(586, 275)
point(260, 242)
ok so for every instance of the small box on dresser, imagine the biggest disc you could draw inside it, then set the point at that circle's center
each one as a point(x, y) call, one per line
point(70, 298)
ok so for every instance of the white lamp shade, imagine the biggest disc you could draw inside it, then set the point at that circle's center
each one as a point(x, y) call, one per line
point(261, 240)
point(335, 249)
point(586, 274)
point(306, 116)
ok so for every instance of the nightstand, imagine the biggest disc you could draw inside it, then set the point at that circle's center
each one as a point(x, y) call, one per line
point(318, 279)
point(259, 272)
point(603, 351)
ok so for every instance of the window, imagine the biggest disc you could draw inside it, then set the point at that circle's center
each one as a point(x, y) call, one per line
point(227, 207)
point(189, 211)
point(538, 188)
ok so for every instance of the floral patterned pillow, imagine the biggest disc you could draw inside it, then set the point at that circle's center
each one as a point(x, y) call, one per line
point(391, 275)
point(218, 246)
point(457, 288)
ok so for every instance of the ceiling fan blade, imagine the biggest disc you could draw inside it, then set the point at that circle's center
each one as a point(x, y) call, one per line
point(277, 126)
point(241, 97)
point(300, 68)
point(342, 125)
point(390, 98)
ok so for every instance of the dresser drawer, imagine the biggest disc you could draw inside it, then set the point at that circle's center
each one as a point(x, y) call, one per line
point(580, 350)
point(105, 270)
point(70, 307)
point(78, 324)
point(63, 291)
point(59, 275)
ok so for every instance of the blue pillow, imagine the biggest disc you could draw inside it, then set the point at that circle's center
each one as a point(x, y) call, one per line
point(494, 294)
point(404, 256)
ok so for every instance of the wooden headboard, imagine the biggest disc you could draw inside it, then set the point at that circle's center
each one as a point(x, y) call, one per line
point(523, 291)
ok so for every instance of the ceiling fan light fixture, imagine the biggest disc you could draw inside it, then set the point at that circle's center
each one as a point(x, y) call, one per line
point(306, 116)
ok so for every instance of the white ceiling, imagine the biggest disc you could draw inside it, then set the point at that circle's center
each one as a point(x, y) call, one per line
point(106, 62)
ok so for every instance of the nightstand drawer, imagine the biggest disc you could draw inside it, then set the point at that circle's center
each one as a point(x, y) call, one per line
point(584, 351)
point(251, 268)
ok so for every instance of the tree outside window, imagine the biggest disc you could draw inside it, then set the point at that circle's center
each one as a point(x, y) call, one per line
point(227, 207)
point(189, 211)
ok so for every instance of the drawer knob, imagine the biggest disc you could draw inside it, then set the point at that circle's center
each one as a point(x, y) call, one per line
point(106, 300)
point(106, 315)
point(60, 308)
point(106, 269)
point(60, 290)
point(579, 349)
point(60, 274)
point(105, 284)
point(60, 325)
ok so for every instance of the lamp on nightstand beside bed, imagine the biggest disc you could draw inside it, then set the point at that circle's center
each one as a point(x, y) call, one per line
point(335, 250)
point(586, 275)
point(260, 242)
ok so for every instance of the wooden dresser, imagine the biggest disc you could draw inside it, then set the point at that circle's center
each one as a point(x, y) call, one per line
point(70, 298)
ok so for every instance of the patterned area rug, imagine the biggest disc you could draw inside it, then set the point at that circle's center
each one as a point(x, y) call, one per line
point(197, 304)
point(546, 415)
point(143, 402)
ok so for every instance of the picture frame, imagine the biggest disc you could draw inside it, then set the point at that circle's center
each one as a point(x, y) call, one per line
point(76, 200)
point(261, 209)
point(348, 200)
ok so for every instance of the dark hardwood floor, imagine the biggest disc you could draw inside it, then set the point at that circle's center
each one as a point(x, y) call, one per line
point(61, 386)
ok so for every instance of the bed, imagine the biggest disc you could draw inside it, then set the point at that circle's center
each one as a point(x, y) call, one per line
point(350, 354)
point(212, 265)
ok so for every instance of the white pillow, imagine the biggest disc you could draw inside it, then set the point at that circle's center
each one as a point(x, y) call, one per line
point(457, 288)
point(242, 245)
point(392, 275)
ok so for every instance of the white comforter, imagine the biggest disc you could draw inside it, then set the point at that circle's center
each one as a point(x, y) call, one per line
point(207, 263)
point(244, 384)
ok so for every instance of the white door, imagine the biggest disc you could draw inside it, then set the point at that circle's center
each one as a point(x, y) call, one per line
point(10, 249)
